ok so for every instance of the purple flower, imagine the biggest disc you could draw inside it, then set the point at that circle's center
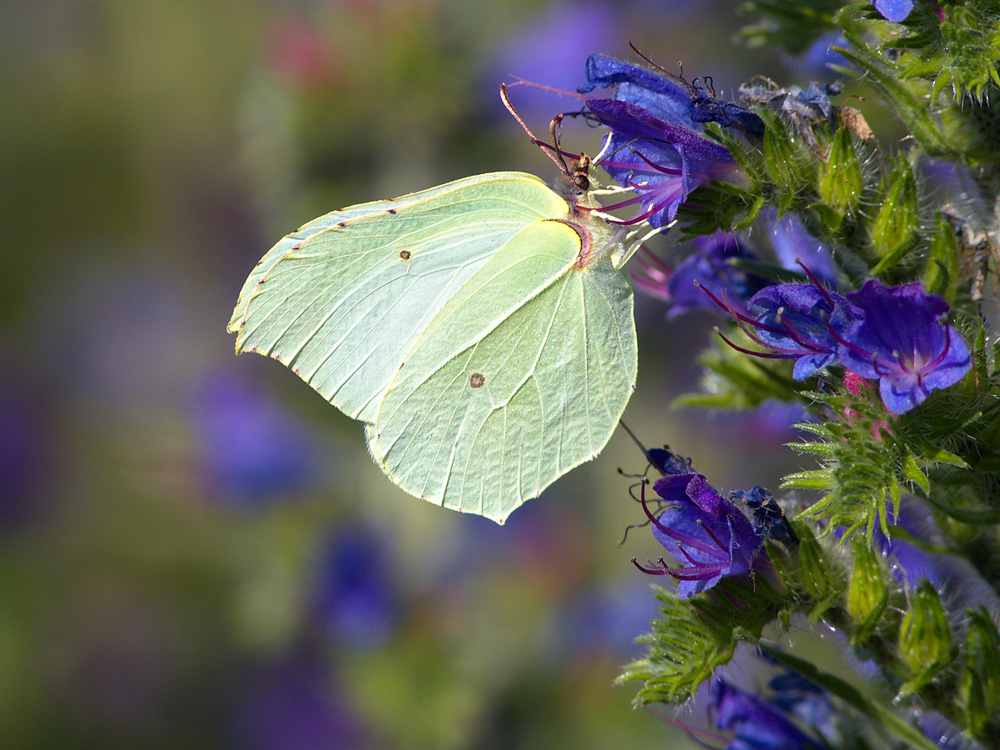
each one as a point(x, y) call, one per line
point(354, 597)
point(768, 517)
point(801, 322)
point(643, 88)
point(706, 533)
point(668, 461)
point(755, 723)
point(679, 104)
point(894, 10)
point(655, 146)
point(662, 162)
point(898, 341)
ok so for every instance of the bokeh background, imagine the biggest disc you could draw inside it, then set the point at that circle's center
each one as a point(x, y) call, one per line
point(195, 549)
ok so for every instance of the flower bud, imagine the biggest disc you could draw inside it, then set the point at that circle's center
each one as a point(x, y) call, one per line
point(841, 183)
point(898, 217)
point(925, 637)
point(820, 583)
point(867, 593)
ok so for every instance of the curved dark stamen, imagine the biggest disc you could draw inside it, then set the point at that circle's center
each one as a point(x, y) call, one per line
point(944, 352)
point(817, 284)
point(629, 528)
point(854, 348)
point(705, 571)
point(715, 539)
point(696, 543)
point(793, 334)
point(739, 318)
point(765, 355)
point(665, 170)
point(629, 202)
point(649, 571)
point(639, 217)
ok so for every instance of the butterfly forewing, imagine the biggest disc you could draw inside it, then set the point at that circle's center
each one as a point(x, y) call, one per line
point(342, 300)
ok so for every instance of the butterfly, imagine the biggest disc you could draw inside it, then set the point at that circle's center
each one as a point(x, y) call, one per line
point(479, 329)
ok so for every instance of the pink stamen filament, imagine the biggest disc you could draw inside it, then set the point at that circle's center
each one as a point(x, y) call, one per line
point(654, 260)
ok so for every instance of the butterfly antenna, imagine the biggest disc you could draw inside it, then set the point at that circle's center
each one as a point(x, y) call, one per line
point(555, 130)
point(546, 148)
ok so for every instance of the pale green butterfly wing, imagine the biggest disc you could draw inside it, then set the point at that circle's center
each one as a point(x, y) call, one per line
point(520, 377)
point(342, 300)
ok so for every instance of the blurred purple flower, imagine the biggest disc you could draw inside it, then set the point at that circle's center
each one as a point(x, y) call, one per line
point(898, 341)
point(712, 268)
point(894, 10)
point(605, 620)
point(944, 733)
point(794, 245)
point(807, 702)
point(706, 533)
point(816, 60)
point(354, 597)
point(251, 451)
point(546, 51)
point(27, 449)
point(755, 723)
point(293, 705)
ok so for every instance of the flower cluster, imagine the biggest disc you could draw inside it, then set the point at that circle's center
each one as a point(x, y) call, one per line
point(889, 334)
point(862, 261)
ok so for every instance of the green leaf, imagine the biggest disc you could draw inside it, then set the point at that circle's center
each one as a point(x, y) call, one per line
point(913, 472)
